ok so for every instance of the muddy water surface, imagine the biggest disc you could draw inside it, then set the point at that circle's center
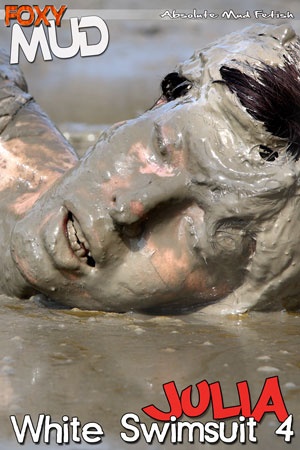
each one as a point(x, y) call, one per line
point(100, 366)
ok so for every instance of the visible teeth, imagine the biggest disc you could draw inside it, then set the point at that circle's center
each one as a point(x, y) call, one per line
point(72, 236)
point(79, 234)
point(80, 252)
point(77, 241)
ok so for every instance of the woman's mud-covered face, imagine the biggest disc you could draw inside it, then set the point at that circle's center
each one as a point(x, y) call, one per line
point(163, 213)
point(126, 228)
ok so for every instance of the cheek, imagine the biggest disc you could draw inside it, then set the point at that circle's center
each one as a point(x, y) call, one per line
point(177, 259)
point(173, 254)
point(177, 271)
point(170, 267)
point(180, 271)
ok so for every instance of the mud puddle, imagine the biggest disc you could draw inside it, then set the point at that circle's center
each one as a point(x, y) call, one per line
point(100, 366)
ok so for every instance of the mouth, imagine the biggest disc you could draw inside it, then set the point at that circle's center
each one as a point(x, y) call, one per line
point(78, 242)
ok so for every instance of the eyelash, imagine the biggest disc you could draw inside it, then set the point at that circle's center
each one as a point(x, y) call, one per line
point(174, 86)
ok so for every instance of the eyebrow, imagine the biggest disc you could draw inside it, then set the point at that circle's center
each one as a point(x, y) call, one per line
point(271, 96)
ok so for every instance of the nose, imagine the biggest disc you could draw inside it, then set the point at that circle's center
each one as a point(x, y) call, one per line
point(146, 193)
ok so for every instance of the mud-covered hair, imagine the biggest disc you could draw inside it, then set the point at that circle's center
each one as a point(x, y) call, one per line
point(272, 96)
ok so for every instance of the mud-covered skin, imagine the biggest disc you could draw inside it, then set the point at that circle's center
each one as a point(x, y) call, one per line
point(171, 211)
point(33, 154)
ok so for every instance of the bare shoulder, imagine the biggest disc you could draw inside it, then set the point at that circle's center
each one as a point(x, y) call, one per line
point(33, 152)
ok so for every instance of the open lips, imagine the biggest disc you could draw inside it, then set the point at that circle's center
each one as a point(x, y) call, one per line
point(78, 242)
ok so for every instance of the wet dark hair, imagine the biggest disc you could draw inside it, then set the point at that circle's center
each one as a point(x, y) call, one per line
point(272, 96)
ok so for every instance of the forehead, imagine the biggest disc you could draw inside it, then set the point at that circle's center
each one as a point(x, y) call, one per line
point(255, 44)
